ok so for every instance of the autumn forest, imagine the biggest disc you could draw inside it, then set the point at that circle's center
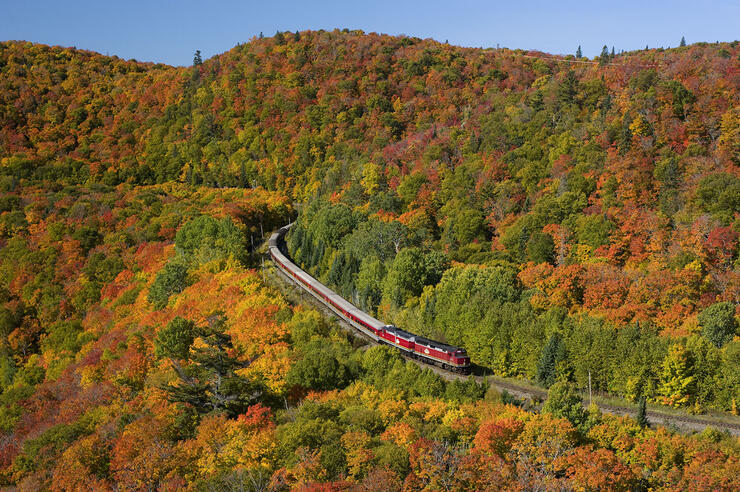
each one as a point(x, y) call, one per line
point(571, 222)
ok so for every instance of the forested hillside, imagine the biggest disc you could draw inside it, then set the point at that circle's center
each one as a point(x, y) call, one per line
point(555, 216)
point(612, 186)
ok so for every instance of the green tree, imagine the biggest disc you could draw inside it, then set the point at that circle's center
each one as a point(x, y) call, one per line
point(707, 360)
point(568, 88)
point(470, 304)
point(682, 97)
point(64, 336)
point(409, 187)
point(683, 41)
point(89, 237)
point(465, 390)
point(7, 372)
point(553, 353)
point(369, 282)
point(668, 172)
point(516, 236)
point(468, 226)
point(376, 238)
point(318, 369)
point(434, 264)
point(172, 279)
point(718, 323)
point(410, 271)
point(604, 57)
point(376, 362)
point(208, 239)
point(541, 248)
point(174, 340)
point(642, 419)
point(342, 272)
point(593, 230)
point(719, 194)
point(197, 60)
point(579, 53)
point(428, 384)
point(332, 223)
point(9, 320)
point(103, 268)
point(563, 402)
point(207, 378)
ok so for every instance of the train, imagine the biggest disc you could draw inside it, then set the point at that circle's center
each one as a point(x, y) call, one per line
point(447, 357)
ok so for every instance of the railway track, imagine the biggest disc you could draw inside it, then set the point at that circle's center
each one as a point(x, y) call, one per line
point(683, 423)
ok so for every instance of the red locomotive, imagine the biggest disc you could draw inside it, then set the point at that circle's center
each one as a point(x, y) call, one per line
point(430, 351)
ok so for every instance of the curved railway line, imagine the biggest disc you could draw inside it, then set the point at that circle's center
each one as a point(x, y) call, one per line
point(682, 422)
point(429, 351)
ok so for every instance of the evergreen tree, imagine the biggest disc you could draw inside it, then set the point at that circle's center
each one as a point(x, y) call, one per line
point(579, 53)
point(604, 57)
point(206, 371)
point(172, 279)
point(612, 54)
point(552, 353)
point(197, 60)
point(567, 91)
point(243, 181)
point(624, 139)
point(175, 339)
point(541, 248)
point(642, 419)
point(683, 41)
point(189, 177)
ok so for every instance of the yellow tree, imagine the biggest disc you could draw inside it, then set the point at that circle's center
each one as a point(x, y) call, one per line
point(222, 444)
point(371, 178)
point(359, 455)
point(677, 378)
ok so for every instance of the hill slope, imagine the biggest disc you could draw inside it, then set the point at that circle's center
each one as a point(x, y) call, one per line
point(631, 163)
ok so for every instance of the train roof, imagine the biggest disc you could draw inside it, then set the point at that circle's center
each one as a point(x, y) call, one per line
point(373, 322)
point(434, 344)
point(400, 333)
point(338, 300)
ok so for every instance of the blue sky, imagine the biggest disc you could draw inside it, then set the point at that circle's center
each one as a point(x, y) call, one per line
point(170, 31)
